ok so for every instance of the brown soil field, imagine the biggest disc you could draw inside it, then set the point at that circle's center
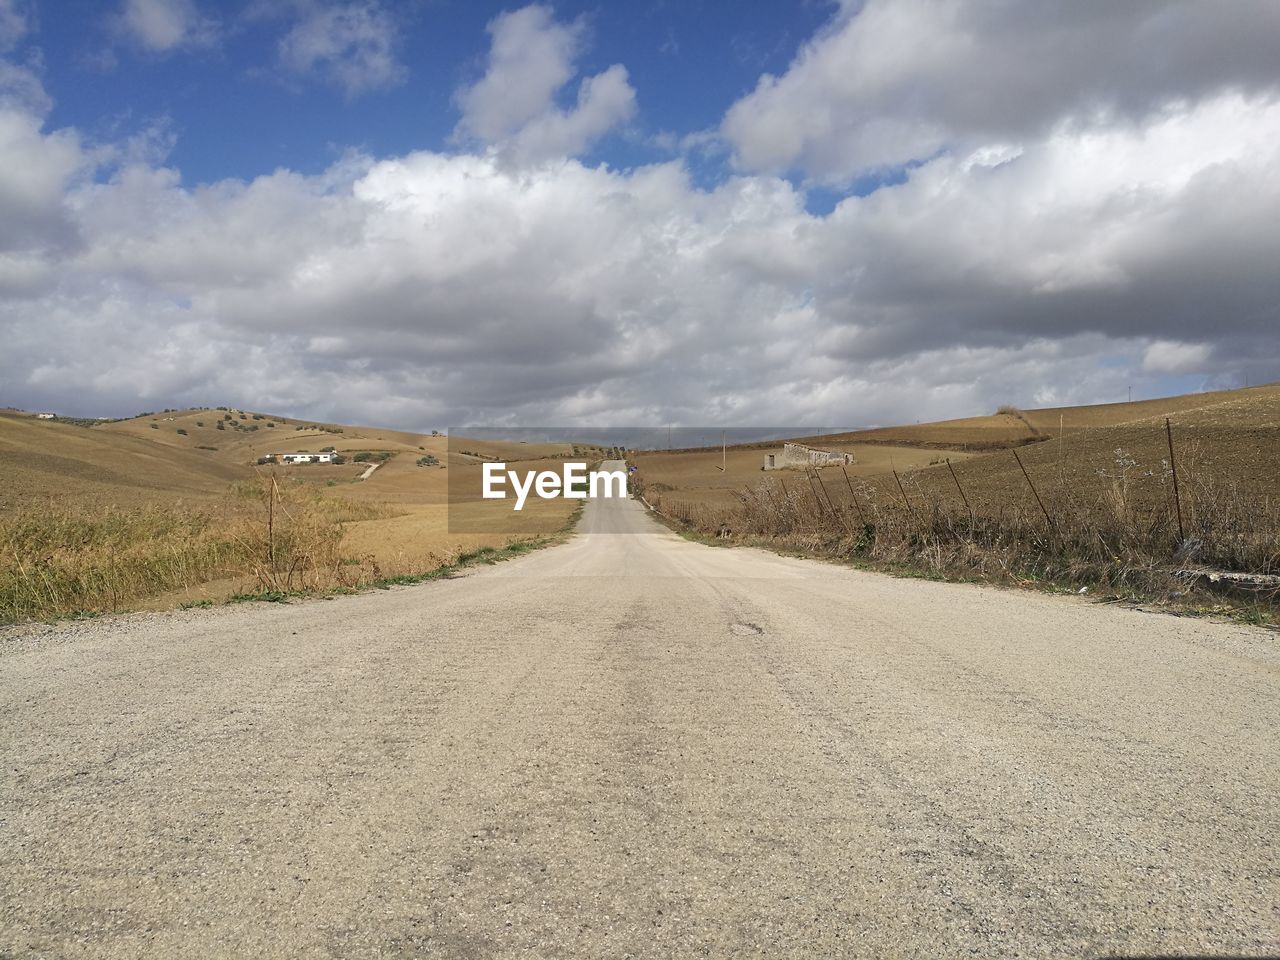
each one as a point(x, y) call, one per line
point(1231, 440)
point(247, 435)
point(696, 476)
point(1005, 430)
point(1229, 437)
point(44, 461)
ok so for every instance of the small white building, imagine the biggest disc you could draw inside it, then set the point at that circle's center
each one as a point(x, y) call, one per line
point(798, 455)
point(326, 457)
point(45, 416)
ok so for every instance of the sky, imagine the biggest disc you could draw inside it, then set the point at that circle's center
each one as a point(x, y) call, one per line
point(435, 213)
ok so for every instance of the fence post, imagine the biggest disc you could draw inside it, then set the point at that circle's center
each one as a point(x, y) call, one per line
point(853, 496)
point(825, 493)
point(816, 499)
point(1173, 466)
point(272, 491)
point(902, 491)
point(972, 519)
point(1048, 519)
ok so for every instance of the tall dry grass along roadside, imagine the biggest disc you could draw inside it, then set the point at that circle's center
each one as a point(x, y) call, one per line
point(272, 536)
point(1117, 526)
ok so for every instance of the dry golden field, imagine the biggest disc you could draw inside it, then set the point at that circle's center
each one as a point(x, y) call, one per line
point(1233, 435)
point(1081, 498)
point(169, 508)
point(697, 477)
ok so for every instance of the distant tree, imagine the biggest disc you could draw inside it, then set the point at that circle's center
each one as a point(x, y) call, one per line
point(181, 432)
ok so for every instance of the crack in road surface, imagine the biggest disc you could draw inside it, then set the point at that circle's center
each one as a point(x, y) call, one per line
point(635, 746)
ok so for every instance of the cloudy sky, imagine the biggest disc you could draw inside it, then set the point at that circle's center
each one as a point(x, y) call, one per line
point(443, 212)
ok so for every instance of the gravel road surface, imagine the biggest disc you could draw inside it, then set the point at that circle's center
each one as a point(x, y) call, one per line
point(635, 746)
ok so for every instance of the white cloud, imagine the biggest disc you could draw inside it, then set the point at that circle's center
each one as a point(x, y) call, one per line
point(530, 61)
point(1169, 356)
point(1055, 266)
point(162, 26)
point(36, 172)
point(16, 20)
point(351, 46)
point(21, 88)
point(894, 81)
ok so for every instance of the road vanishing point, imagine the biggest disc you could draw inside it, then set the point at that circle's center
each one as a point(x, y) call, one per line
point(631, 745)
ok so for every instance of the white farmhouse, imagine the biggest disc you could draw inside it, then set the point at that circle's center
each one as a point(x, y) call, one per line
point(326, 457)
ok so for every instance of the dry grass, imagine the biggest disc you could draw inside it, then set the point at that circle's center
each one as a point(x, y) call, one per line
point(1074, 497)
point(698, 477)
point(157, 501)
point(1120, 534)
point(61, 561)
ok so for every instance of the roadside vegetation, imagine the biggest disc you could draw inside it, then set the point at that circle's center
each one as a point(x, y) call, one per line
point(1113, 528)
point(272, 538)
point(59, 562)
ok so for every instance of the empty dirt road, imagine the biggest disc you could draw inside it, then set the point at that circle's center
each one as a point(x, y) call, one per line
point(635, 746)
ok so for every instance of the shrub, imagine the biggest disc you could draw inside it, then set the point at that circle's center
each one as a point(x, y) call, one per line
point(1009, 410)
point(199, 423)
point(362, 457)
point(155, 426)
point(181, 432)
